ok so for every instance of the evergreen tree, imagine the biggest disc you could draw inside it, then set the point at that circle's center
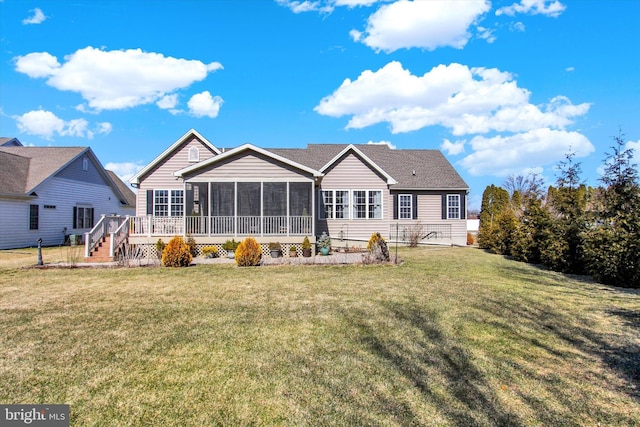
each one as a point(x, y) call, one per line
point(564, 245)
point(613, 239)
point(495, 201)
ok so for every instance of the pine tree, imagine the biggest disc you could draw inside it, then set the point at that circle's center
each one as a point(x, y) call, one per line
point(564, 250)
point(613, 239)
point(495, 201)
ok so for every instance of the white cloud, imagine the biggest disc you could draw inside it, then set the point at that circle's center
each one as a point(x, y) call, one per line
point(37, 18)
point(203, 104)
point(46, 124)
point(635, 146)
point(326, 6)
point(517, 26)
point(503, 155)
point(117, 79)
point(124, 170)
point(306, 6)
point(422, 24)
point(486, 34)
point(387, 143)
point(465, 100)
point(534, 7)
point(569, 69)
point(168, 101)
point(452, 148)
point(37, 64)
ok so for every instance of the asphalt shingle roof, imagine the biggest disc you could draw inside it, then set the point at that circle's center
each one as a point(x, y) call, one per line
point(41, 162)
point(432, 169)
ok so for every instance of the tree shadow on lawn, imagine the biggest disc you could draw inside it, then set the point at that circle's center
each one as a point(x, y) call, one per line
point(572, 340)
point(435, 364)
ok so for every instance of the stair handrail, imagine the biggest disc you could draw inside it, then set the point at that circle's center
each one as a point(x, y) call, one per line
point(92, 238)
point(119, 236)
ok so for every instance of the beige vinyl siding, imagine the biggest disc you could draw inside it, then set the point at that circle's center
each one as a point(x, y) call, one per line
point(352, 173)
point(161, 177)
point(248, 166)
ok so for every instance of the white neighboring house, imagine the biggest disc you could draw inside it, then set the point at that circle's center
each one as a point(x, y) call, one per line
point(54, 192)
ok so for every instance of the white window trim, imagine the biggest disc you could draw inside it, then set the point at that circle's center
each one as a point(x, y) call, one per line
point(169, 204)
point(459, 206)
point(194, 154)
point(350, 216)
point(410, 196)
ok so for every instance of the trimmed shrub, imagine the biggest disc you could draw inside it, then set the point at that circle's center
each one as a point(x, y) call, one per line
point(377, 247)
point(248, 253)
point(210, 251)
point(470, 240)
point(176, 253)
point(191, 243)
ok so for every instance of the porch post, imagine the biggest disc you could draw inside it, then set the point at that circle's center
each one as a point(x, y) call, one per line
point(149, 225)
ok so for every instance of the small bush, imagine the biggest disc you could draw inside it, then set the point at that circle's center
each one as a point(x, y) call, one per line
point(230, 245)
point(248, 253)
point(210, 251)
point(378, 250)
point(306, 244)
point(160, 245)
point(176, 253)
point(415, 233)
point(470, 239)
point(191, 243)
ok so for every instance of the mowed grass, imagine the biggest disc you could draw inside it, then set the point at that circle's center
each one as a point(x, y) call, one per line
point(453, 336)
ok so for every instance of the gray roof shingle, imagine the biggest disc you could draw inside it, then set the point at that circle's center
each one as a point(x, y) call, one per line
point(432, 169)
point(40, 162)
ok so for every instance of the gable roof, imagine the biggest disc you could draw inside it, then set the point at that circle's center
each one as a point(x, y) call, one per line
point(169, 151)
point(40, 164)
point(10, 142)
point(246, 147)
point(26, 168)
point(129, 195)
point(432, 170)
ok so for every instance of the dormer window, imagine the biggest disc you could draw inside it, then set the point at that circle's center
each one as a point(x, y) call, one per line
point(194, 154)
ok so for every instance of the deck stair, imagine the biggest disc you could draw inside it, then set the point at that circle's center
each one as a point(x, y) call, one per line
point(101, 251)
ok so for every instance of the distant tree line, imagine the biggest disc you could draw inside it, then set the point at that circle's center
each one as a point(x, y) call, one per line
point(570, 227)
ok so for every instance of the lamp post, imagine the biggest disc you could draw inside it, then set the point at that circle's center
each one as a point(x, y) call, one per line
point(40, 251)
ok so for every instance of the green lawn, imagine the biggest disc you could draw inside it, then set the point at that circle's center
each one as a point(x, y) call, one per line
point(454, 336)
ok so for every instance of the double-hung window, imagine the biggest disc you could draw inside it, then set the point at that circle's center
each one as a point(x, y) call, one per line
point(335, 204)
point(367, 204)
point(405, 206)
point(33, 217)
point(453, 206)
point(83, 217)
point(168, 202)
point(351, 204)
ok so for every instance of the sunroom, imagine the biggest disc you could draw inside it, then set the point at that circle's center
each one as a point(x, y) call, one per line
point(231, 208)
point(246, 191)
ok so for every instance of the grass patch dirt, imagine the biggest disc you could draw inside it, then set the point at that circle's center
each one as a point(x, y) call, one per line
point(453, 336)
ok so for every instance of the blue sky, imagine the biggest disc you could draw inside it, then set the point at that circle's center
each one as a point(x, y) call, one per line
point(501, 87)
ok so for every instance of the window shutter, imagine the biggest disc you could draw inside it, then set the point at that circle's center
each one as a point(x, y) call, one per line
point(149, 202)
point(444, 206)
point(395, 206)
point(93, 217)
point(414, 204)
point(75, 217)
point(463, 206)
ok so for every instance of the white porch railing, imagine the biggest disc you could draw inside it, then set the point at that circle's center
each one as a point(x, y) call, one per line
point(118, 237)
point(106, 224)
point(221, 225)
